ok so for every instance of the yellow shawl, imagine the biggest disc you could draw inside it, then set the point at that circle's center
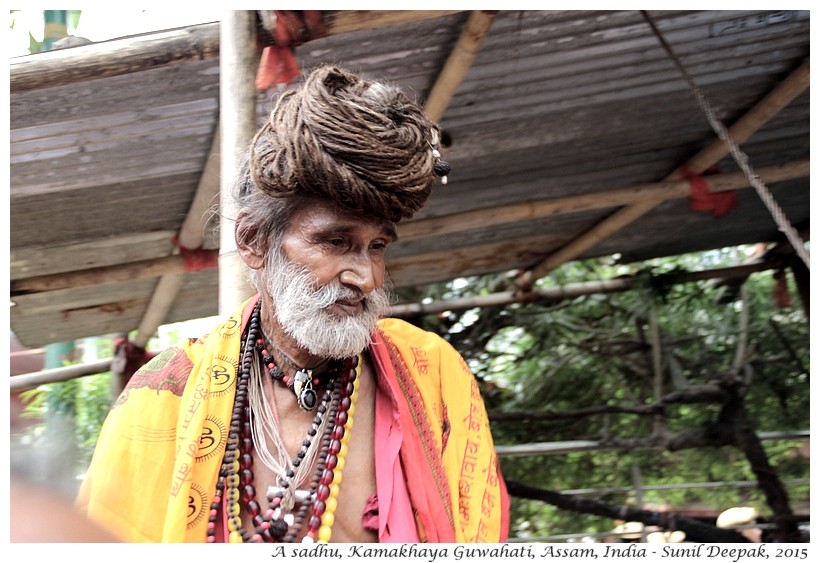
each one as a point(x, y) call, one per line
point(154, 471)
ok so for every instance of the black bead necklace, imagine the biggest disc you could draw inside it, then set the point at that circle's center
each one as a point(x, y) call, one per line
point(236, 479)
point(302, 383)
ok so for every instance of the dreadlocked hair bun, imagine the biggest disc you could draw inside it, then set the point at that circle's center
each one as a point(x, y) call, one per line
point(362, 144)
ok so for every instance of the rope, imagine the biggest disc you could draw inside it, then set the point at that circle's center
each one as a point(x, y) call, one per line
point(740, 157)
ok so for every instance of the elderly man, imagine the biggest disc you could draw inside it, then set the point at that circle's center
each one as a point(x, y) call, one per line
point(306, 416)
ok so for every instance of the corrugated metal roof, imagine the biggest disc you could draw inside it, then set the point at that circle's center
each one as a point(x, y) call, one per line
point(555, 104)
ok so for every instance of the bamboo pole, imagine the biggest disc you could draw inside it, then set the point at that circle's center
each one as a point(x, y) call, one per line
point(771, 104)
point(32, 380)
point(567, 291)
point(191, 235)
point(523, 211)
point(458, 63)
point(347, 21)
point(192, 231)
point(781, 96)
point(162, 299)
point(553, 448)
point(238, 63)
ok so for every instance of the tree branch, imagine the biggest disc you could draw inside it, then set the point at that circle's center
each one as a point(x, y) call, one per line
point(695, 530)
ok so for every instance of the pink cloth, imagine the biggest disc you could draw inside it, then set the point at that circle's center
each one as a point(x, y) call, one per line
point(396, 522)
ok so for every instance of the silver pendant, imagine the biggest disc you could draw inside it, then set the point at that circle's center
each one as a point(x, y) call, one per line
point(300, 496)
point(303, 388)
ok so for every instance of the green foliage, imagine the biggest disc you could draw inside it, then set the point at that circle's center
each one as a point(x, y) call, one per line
point(73, 18)
point(34, 46)
point(91, 410)
point(78, 406)
point(596, 351)
point(84, 401)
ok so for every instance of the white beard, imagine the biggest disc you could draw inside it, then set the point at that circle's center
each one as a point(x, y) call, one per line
point(301, 310)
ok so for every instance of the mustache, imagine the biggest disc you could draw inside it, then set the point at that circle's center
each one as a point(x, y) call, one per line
point(324, 296)
point(302, 306)
point(335, 291)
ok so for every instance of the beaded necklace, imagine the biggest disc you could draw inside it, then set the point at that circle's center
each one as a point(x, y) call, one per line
point(303, 380)
point(278, 523)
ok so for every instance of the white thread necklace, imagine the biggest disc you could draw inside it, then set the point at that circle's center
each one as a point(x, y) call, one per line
point(267, 438)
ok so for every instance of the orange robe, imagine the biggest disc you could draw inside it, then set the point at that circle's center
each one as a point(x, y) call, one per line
point(155, 468)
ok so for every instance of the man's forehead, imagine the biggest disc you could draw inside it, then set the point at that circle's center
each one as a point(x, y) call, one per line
point(324, 216)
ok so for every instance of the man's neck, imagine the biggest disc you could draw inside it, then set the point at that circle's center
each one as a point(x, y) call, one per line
point(295, 356)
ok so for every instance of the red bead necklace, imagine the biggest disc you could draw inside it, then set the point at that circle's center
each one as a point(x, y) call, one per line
point(278, 523)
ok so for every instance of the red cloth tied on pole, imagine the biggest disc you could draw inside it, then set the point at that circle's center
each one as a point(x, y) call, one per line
point(702, 198)
point(293, 28)
point(781, 295)
point(128, 358)
point(196, 259)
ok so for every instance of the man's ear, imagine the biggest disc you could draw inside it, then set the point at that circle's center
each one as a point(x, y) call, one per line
point(250, 242)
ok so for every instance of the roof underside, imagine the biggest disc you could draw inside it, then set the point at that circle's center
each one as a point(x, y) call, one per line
point(555, 105)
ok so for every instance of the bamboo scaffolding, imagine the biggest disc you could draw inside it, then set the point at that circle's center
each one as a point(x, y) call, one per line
point(458, 63)
point(656, 192)
point(565, 291)
point(781, 96)
point(429, 227)
point(191, 235)
point(198, 42)
point(238, 63)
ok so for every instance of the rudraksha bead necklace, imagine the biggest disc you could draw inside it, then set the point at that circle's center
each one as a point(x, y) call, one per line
point(236, 481)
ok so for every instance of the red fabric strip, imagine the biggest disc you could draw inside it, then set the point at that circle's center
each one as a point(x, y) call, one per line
point(702, 198)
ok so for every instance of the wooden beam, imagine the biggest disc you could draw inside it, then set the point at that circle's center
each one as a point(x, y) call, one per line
point(31, 261)
point(781, 96)
point(113, 58)
point(108, 274)
point(153, 50)
point(524, 211)
point(458, 63)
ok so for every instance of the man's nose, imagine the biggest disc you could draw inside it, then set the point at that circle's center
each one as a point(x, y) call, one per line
point(360, 272)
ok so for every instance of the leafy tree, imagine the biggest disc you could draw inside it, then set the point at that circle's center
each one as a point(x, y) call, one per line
point(674, 379)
